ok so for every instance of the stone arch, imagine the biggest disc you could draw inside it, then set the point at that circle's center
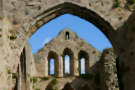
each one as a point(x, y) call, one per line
point(53, 55)
point(67, 7)
point(30, 27)
point(74, 9)
point(85, 55)
point(69, 52)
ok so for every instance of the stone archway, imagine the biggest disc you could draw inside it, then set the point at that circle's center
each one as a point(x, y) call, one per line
point(30, 27)
point(67, 7)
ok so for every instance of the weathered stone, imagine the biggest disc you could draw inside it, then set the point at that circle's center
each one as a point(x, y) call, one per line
point(86, 87)
point(66, 43)
point(101, 13)
point(68, 86)
point(108, 71)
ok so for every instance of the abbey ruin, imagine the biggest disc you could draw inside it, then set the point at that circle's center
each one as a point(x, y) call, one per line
point(33, 72)
point(19, 19)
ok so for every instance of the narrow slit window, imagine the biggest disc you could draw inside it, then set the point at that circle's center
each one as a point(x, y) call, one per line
point(67, 63)
point(51, 67)
point(82, 61)
point(67, 35)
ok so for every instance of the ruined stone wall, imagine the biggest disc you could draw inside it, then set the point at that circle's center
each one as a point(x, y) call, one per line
point(108, 71)
point(72, 47)
point(20, 17)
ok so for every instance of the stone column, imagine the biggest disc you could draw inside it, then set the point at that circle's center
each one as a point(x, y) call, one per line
point(87, 66)
point(76, 65)
point(108, 71)
point(46, 66)
point(60, 73)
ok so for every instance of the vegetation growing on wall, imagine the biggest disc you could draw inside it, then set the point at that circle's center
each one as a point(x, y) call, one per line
point(8, 71)
point(45, 78)
point(12, 37)
point(52, 85)
point(117, 4)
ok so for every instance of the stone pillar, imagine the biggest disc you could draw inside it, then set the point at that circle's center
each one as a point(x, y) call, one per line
point(108, 71)
point(87, 66)
point(60, 72)
point(46, 66)
point(76, 65)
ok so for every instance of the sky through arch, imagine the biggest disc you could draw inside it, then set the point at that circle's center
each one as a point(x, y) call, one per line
point(83, 28)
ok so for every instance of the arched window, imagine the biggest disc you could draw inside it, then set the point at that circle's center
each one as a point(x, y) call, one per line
point(68, 62)
point(82, 66)
point(67, 35)
point(83, 62)
point(53, 63)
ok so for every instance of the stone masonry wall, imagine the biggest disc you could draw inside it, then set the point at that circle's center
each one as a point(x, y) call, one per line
point(108, 71)
point(24, 17)
point(60, 47)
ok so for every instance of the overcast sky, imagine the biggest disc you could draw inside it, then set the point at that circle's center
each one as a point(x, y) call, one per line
point(83, 28)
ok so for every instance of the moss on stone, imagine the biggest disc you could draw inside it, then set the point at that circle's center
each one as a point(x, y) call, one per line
point(8, 71)
point(11, 30)
point(45, 78)
point(37, 88)
point(12, 37)
point(52, 85)
point(117, 4)
point(120, 18)
point(34, 80)
point(54, 81)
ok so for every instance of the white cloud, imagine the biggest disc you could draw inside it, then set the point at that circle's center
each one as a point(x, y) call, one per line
point(46, 40)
